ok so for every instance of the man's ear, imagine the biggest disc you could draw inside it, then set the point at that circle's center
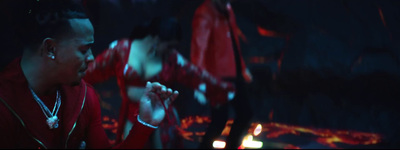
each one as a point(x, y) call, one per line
point(49, 48)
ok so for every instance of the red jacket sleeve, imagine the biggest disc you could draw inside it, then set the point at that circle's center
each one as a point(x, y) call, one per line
point(201, 30)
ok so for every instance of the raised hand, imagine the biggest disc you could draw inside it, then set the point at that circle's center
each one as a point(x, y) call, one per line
point(154, 102)
point(247, 76)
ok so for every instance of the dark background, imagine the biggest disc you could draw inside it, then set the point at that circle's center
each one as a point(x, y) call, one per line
point(331, 64)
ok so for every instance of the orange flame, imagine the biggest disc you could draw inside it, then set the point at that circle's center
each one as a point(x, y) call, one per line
point(187, 135)
point(190, 122)
point(110, 124)
point(326, 137)
point(227, 128)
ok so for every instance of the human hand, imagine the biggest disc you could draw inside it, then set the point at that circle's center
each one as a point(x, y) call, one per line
point(200, 97)
point(247, 76)
point(155, 102)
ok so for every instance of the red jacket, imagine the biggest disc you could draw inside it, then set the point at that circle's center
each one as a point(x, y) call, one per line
point(211, 44)
point(23, 125)
point(113, 62)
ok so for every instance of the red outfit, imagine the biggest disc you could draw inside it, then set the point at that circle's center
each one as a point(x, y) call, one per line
point(23, 124)
point(114, 62)
point(211, 44)
point(215, 47)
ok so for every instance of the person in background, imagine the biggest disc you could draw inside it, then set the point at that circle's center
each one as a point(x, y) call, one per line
point(149, 54)
point(215, 47)
point(44, 103)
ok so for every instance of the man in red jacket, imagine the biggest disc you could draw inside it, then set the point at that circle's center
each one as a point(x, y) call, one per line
point(44, 103)
point(215, 47)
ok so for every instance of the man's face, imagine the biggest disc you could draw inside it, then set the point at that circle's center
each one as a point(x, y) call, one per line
point(74, 52)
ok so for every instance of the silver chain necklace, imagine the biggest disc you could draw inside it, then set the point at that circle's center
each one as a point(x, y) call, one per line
point(52, 119)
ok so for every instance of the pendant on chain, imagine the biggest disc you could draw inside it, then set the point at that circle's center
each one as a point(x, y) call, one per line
point(52, 122)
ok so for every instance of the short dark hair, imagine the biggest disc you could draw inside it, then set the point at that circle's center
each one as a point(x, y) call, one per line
point(47, 18)
point(167, 28)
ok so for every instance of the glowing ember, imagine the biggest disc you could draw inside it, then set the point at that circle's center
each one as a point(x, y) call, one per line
point(185, 134)
point(192, 121)
point(106, 118)
point(328, 137)
point(189, 121)
point(265, 32)
point(110, 124)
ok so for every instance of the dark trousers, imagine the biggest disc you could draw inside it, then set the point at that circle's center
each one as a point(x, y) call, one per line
point(219, 116)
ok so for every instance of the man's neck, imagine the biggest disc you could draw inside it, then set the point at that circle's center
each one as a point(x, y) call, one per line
point(36, 76)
